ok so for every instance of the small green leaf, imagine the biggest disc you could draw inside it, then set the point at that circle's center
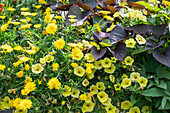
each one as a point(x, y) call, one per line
point(162, 85)
point(105, 43)
point(148, 98)
point(163, 103)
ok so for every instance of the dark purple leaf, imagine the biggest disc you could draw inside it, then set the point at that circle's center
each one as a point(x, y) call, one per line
point(101, 35)
point(91, 3)
point(150, 44)
point(120, 51)
point(97, 19)
point(159, 30)
point(140, 28)
point(74, 10)
point(118, 34)
point(135, 5)
point(162, 58)
point(97, 54)
point(111, 50)
point(110, 8)
point(83, 6)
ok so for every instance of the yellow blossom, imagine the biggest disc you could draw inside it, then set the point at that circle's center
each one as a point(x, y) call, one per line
point(20, 73)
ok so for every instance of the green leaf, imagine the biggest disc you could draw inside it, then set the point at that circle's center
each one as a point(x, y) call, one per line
point(105, 43)
point(155, 92)
point(148, 98)
point(162, 84)
point(163, 72)
point(156, 80)
point(132, 98)
point(147, 5)
point(151, 83)
point(137, 51)
point(167, 106)
point(163, 103)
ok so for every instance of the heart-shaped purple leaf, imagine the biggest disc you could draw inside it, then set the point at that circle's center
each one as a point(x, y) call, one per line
point(97, 54)
point(120, 51)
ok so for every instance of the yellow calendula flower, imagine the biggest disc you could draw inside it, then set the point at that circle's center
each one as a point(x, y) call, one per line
point(37, 68)
point(88, 106)
point(24, 59)
point(100, 86)
point(142, 81)
point(54, 83)
point(77, 54)
point(11, 9)
point(107, 102)
point(15, 23)
point(75, 93)
point(110, 108)
point(102, 96)
point(67, 91)
point(107, 62)
point(74, 65)
point(134, 76)
point(88, 70)
point(38, 6)
point(26, 26)
point(30, 86)
point(55, 66)
point(112, 78)
point(2, 67)
point(79, 71)
point(129, 60)
point(49, 58)
point(59, 44)
point(145, 109)
point(110, 69)
point(37, 26)
point(20, 111)
point(130, 43)
point(72, 16)
point(5, 103)
point(89, 57)
point(126, 105)
point(20, 73)
point(16, 102)
point(25, 92)
point(117, 86)
point(93, 89)
point(2, 17)
point(134, 110)
point(126, 82)
point(85, 82)
point(105, 12)
point(48, 18)
point(83, 97)
point(140, 39)
point(51, 28)
point(25, 104)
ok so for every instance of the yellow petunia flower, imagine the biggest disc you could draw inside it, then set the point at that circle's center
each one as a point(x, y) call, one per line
point(102, 96)
point(85, 82)
point(110, 69)
point(130, 43)
point(134, 110)
point(37, 68)
point(112, 78)
point(129, 60)
point(79, 71)
point(134, 76)
point(107, 102)
point(67, 91)
point(88, 106)
point(93, 89)
point(75, 93)
point(100, 86)
point(117, 86)
point(107, 62)
point(126, 82)
point(110, 108)
point(126, 105)
point(142, 81)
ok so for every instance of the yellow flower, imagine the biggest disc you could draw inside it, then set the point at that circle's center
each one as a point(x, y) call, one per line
point(116, 14)
point(51, 28)
point(110, 108)
point(73, 20)
point(130, 43)
point(83, 97)
point(49, 58)
point(55, 66)
point(93, 89)
point(85, 82)
point(4, 27)
point(109, 18)
point(34, 14)
point(20, 73)
point(18, 48)
point(91, 75)
point(88, 106)
point(27, 67)
point(107, 102)
point(48, 18)
point(5, 103)
point(75, 93)
point(38, 6)
point(145, 109)
point(142, 81)
point(24, 20)
point(105, 12)
point(102, 96)
point(54, 83)
point(11, 9)
point(25, 92)
point(72, 16)
point(24, 9)
point(2, 17)
point(63, 102)
point(16, 102)
point(107, 62)
point(58, 17)
point(88, 70)
point(134, 76)
point(126, 105)
point(166, 2)
point(79, 71)
point(110, 69)
point(117, 86)
point(26, 26)
point(89, 65)
point(67, 91)
point(24, 59)
point(112, 78)
point(98, 28)
point(126, 82)
point(37, 26)
point(37, 68)
point(134, 110)
point(25, 13)
point(77, 54)
point(129, 60)
point(98, 64)
point(42, 61)
point(25, 104)
point(2, 67)
point(30, 86)
point(140, 39)
point(124, 76)
point(100, 86)
point(114, 59)
point(74, 65)
point(89, 57)
point(59, 44)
